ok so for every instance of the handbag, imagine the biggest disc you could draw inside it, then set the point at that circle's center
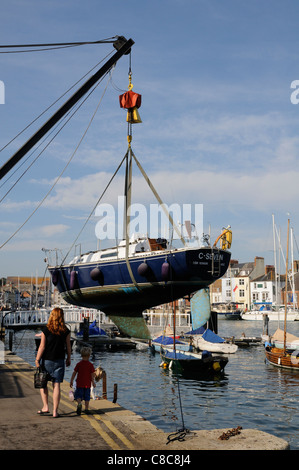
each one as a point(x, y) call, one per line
point(41, 378)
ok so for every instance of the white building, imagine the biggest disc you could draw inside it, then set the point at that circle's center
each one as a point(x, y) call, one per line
point(263, 289)
point(236, 282)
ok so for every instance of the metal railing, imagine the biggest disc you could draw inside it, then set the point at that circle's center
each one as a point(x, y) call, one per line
point(40, 317)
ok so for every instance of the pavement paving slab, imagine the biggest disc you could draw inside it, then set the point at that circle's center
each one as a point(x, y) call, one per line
point(108, 427)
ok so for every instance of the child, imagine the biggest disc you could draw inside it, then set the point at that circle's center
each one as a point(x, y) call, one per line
point(85, 373)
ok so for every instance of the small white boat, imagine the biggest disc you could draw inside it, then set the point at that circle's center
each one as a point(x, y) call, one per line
point(292, 315)
point(211, 342)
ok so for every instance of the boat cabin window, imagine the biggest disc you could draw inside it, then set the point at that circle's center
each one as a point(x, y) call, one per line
point(109, 255)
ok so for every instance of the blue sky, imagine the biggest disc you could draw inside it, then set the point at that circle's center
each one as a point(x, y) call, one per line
point(219, 127)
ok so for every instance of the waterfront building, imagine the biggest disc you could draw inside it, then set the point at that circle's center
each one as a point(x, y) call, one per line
point(264, 290)
point(24, 292)
point(236, 282)
point(216, 292)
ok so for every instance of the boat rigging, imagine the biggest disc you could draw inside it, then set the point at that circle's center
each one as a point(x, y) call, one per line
point(140, 272)
point(123, 47)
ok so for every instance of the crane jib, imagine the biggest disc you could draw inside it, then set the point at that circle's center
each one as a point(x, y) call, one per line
point(121, 50)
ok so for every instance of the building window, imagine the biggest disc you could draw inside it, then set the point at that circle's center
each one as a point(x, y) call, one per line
point(228, 294)
point(241, 282)
point(242, 293)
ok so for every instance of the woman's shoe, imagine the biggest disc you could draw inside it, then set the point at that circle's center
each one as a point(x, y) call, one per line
point(41, 412)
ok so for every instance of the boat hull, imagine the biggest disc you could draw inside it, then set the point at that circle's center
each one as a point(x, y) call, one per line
point(197, 364)
point(272, 316)
point(277, 358)
point(230, 316)
point(123, 290)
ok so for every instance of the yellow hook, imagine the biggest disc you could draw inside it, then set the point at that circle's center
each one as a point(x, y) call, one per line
point(130, 87)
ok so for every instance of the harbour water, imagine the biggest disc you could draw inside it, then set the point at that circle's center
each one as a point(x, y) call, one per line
point(251, 393)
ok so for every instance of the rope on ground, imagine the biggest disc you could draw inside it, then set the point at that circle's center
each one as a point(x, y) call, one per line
point(177, 436)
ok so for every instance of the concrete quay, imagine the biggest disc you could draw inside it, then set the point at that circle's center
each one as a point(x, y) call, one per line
point(108, 427)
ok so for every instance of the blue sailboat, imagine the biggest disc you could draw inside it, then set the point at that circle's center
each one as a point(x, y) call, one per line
point(122, 284)
point(140, 272)
point(182, 357)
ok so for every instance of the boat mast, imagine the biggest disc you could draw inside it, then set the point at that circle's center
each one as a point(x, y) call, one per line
point(286, 293)
point(294, 301)
point(123, 46)
point(275, 266)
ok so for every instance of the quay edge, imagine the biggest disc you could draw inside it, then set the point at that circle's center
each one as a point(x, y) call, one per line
point(20, 402)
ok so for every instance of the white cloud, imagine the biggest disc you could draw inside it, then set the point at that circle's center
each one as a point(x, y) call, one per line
point(49, 231)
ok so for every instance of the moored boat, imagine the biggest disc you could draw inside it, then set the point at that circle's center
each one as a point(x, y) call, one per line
point(287, 359)
point(93, 331)
point(282, 356)
point(277, 339)
point(152, 273)
point(202, 363)
point(140, 272)
point(258, 315)
point(227, 310)
point(210, 341)
point(162, 341)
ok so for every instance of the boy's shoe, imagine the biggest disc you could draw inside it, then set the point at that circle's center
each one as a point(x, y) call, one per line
point(87, 412)
point(79, 408)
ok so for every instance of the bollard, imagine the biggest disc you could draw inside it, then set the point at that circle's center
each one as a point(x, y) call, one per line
point(10, 337)
point(2, 333)
point(115, 393)
point(104, 396)
point(265, 324)
point(85, 329)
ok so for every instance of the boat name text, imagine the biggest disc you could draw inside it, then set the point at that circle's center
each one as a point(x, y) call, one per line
point(210, 256)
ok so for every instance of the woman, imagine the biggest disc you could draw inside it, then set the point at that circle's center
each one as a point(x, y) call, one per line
point(55, 339)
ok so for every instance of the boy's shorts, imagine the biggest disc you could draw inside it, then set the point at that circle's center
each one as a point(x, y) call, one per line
point(82, 393)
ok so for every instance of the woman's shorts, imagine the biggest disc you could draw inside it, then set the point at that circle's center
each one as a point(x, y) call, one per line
point(82, 393)
point(55, 369)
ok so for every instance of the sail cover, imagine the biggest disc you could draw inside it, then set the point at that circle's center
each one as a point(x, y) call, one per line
point(210, 336)
point(166, 340)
